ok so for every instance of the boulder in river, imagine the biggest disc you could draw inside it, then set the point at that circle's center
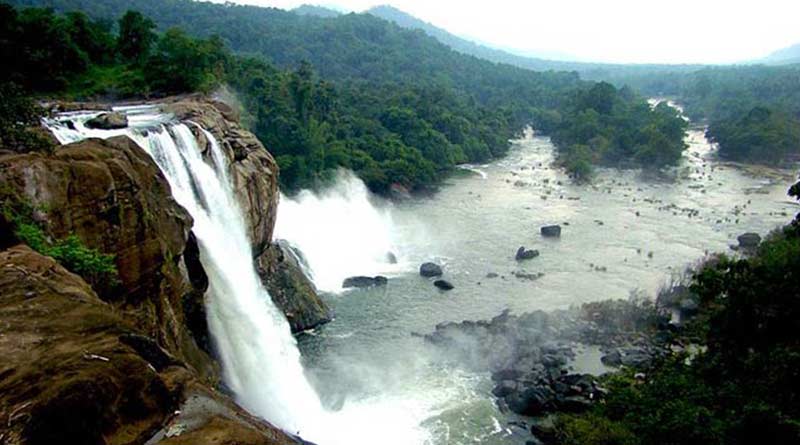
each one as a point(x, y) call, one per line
point(749, 240)
point(443, 284)
point(429, 270)
point(553, 231)
point(525, 254)
point(391, 258)
point(364, 282)
point(108, 121)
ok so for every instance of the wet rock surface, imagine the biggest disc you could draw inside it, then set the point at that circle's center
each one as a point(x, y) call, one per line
point(749, 240)
point(77, 371)
point(525, 254)
point(429, 270)
point(553, 231)
point(279, 267)
point(108, 121)
point(364, 282)
point(443, 285)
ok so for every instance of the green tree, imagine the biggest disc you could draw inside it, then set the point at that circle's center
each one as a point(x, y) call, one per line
point(136, 36)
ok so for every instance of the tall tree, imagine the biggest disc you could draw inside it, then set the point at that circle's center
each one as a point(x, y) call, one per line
point(136, 36)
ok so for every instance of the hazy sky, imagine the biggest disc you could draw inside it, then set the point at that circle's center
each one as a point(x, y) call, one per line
point(669, 31)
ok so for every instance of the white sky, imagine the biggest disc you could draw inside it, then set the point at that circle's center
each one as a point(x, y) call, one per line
point(637, 31)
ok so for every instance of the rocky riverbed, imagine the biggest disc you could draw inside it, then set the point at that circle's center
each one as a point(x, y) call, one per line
point(535, 362)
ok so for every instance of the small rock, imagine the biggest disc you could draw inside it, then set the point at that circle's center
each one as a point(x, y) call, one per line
point(613, 358)
point(428, 270)
point(391, 258)
point(524, 254)
point(363, 282)
point(443, 284)
point(553, 231)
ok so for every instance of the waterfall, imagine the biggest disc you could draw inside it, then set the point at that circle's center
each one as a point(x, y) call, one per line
point(260, 359)
point(341, 232)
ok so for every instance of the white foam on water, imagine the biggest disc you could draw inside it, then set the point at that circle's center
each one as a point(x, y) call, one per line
point(342, 232)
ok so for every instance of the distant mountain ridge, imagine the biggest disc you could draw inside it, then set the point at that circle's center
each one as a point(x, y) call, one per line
point(317, 11)
point(405, 20)
point(783, 56)
point(588, 70)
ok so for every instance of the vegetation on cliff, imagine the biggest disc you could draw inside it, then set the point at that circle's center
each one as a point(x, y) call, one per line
point(394, 105)
point(743, 388)
point(98, 269)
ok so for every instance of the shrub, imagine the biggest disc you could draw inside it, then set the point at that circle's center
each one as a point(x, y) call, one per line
point(98, 269)
point(592, 430)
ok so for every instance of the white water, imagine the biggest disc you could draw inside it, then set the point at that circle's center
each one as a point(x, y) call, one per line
point(342, 232)
point(260, 359)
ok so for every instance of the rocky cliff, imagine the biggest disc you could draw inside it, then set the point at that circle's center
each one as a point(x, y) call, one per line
point(128, 363)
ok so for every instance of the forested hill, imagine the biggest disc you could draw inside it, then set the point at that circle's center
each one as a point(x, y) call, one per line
point(352, 46)
point(465, 46)
point(318, 11)
point(784, 56)
point(396, 105)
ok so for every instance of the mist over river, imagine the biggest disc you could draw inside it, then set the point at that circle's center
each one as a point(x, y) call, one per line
point(625, 231)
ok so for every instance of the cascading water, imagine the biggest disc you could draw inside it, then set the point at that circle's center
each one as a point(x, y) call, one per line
point(340, 232)
point(260, 359)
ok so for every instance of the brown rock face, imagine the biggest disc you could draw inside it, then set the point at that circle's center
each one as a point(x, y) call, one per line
point(113, 197)
point(254, 171)
point(290, 289)
point(75, 371)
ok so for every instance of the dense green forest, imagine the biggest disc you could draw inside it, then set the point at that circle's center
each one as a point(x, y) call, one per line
point(753, 112)
point(392, 104)
point(743, 389)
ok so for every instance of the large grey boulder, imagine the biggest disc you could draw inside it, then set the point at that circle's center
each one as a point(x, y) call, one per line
point(749, 240)
point(108, 121)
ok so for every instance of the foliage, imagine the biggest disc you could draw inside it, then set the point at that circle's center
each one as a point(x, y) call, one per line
point(136, 36)
point(180, 63)
point(81, 58)
point(98, 269)
point(592, 430)
point(18, 113)
point(609, 126)
point(760, 135)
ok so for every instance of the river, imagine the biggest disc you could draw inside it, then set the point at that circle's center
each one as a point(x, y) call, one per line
point(625, 232)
